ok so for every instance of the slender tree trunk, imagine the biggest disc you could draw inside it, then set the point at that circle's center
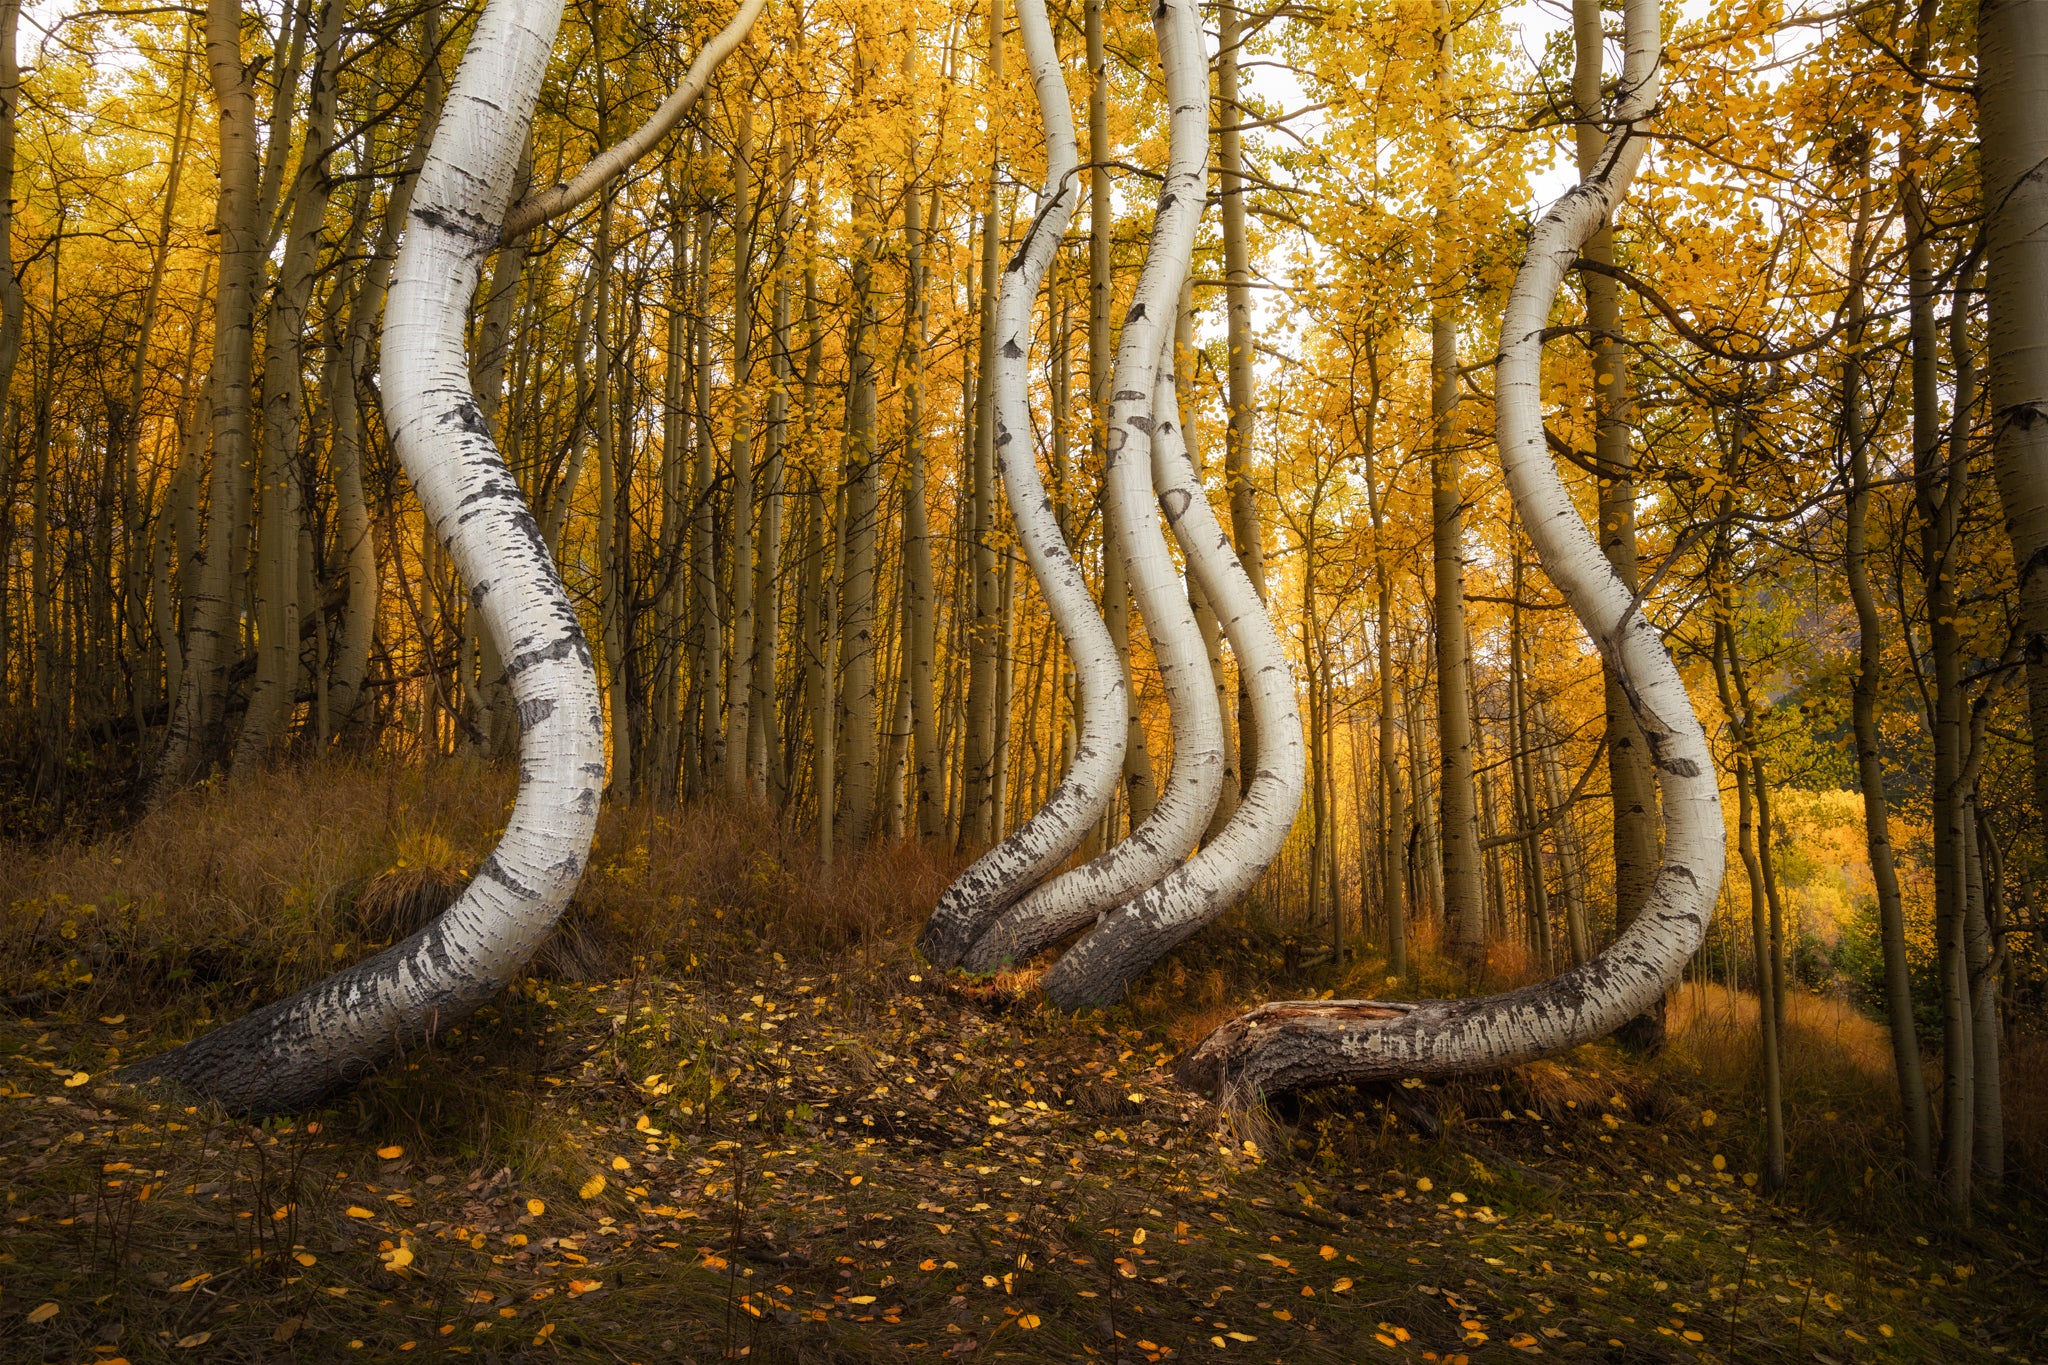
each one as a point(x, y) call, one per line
point(211, 636)
point(977, 812)
point(142, 588)
point(614, 522)
point(767, 567)
point(1245, 529)
point(278, 607)
point(739, 688)
point(1940, 486)
point(1464, 903)
point(1759, 916)
point(1869, 683)
point(708, 621)
point(926, 782)
point(1630, 773)
point(1987, 1089)
point(1571, 874)
point(858, 531)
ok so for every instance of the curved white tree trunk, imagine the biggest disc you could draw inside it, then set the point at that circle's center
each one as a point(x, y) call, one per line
point(1184, 896)
point(1016, 864)
point(1291, 1045)
point(292, 1052)
point(1101, 966)
point(1177, 823)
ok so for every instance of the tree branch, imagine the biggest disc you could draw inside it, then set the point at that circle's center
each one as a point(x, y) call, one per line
point(616, 159)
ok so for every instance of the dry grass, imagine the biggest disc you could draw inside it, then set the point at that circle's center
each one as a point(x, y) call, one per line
point(224, 897)
point(711, 984)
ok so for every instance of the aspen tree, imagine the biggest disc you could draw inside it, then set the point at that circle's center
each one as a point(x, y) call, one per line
point(193, 733)
point(1290, 1045)
point(292, 1052)
point(289, 1053)
point(1898, 985)
point(739, 684)
point(1160, 843)
point(1464, 906)
point(762, 759)
point(969, 907)
point(1762, 942)
point(1246, 532)
point(1099, 968)
point(980, 754)
point(1630, 775)
point(1379, 486)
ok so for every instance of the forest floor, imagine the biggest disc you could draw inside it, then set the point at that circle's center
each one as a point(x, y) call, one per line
point(744, 1146)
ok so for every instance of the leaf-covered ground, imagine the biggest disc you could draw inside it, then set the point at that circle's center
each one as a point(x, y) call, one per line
point(792, 1164)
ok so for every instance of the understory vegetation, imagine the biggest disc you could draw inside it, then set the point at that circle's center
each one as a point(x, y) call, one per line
point(730, 1112)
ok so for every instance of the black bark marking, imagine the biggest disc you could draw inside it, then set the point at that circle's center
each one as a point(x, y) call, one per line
point(495, 870)
point(565, 646)
point(533, 711)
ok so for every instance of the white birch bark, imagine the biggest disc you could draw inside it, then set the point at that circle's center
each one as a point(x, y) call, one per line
point(1014, 866)
point(1178, 821)
point(1131, 938)
point(290, 1053)
point(1295, 1044)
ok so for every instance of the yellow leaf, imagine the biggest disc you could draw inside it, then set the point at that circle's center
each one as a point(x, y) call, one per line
point(1328, 1253)
point(620, 1163)
point(196, 1339)
point(1028, 1321)
point(44, 1313)
point(398, 1258)
point(1138, 1238)
point(853, 1180)
point(1283, 1315)
point(1341, 1287)
point(862, 1298)
point(192, 1283)
point(113, 1018)
point(1425, 1184)
point(358, 1211)
point(577, 1287)
point(535, 1207)
point(1239, 1336)
point(306, 1258)
point(592, 1187)
point(927, 1264)
point(391, 1153)
point(76, 1079)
